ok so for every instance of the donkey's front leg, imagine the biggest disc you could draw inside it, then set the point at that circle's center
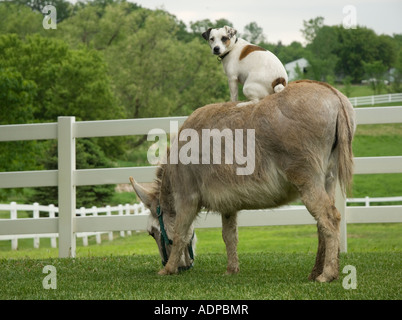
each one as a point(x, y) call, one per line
point(181, 238)
point(230, 237)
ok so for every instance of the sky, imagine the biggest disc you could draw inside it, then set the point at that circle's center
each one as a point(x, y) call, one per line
point(282, 20)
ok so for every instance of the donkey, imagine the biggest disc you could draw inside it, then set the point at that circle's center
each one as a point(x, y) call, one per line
point(303, 146)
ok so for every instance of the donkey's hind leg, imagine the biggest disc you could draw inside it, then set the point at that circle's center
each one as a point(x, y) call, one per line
point(230, 237)
point(322, 208)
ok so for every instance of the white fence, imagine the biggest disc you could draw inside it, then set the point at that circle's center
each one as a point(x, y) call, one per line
point(368, 200)
point(372, 100)
point(67, 224)
point(127, 209)
point(51, 210)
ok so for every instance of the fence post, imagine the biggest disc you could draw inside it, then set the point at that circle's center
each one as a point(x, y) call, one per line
point(109, 213)
point(128, 213)
point(36, 215)
point(97, 234)
point(340, 204)
point(52, 209)
point(13, 215)
point(367, 201)
point(67, 203)
point(120, 208)
point(82, 213)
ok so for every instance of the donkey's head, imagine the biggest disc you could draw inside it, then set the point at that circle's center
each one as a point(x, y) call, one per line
point(159, 201)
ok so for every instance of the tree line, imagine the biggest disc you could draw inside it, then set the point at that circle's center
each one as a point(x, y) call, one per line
point(111, 59)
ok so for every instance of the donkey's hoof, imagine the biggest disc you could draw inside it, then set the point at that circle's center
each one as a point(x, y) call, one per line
point(313, 275)
point(167, 271)
point(233, 270)
point(326, 277)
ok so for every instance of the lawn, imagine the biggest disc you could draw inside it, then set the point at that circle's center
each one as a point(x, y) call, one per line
point(275, 263)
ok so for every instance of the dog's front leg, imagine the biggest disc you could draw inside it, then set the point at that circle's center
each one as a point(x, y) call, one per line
point(234, 89)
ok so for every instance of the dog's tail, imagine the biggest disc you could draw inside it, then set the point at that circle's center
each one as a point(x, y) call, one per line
point(278, 84)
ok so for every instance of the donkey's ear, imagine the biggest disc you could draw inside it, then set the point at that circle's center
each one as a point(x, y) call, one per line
point(205, 35)
point(142, 193)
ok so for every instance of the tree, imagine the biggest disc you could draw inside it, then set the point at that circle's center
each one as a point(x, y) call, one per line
point(253, 33)
point(321, 54)
point(68, 82)
point(19, 19)
point(359, 46)
point(375, 73)
point(397, 74)
point(311, 28)
point(198, 27)
point(63, 7)
point(16, 106)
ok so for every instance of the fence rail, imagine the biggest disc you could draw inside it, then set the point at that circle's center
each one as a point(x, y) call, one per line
point(372, 100)
point(67, 224)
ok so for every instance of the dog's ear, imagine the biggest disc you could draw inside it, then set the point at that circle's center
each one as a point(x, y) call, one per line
point(205, 35)
point(230, 31)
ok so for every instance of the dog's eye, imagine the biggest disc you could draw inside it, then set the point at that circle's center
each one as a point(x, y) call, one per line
point(212, 39)
point(224, 39)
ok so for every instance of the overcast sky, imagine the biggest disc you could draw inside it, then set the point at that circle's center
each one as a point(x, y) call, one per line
point(283, 19)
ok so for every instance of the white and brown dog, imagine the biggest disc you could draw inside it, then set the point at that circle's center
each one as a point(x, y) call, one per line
point(258, 69)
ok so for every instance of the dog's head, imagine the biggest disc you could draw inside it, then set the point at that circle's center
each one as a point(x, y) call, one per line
point(220, 40)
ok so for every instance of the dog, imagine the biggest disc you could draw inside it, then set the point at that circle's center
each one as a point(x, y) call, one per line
point(259, 70)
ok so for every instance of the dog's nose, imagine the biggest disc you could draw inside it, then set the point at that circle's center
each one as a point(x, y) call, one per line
point(216, 50)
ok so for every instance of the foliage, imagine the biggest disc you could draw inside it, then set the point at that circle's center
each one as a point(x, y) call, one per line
point(375, 72)
point(16, 106)
point(66, 80)
point(200, 26)
point(19, 19)
point(253, 33)
point(63, 7)
point(311, 28)
point(334, 50)
point(359, 46)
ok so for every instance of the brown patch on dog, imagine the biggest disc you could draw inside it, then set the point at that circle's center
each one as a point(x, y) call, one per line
point(277, 81)
point(249, 49)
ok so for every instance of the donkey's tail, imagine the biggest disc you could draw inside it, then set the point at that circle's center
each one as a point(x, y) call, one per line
point(346, 127)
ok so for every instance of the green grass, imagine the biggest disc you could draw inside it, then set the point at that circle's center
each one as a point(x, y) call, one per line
point(360, 90)
point(274, 262)
point(264, 276)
